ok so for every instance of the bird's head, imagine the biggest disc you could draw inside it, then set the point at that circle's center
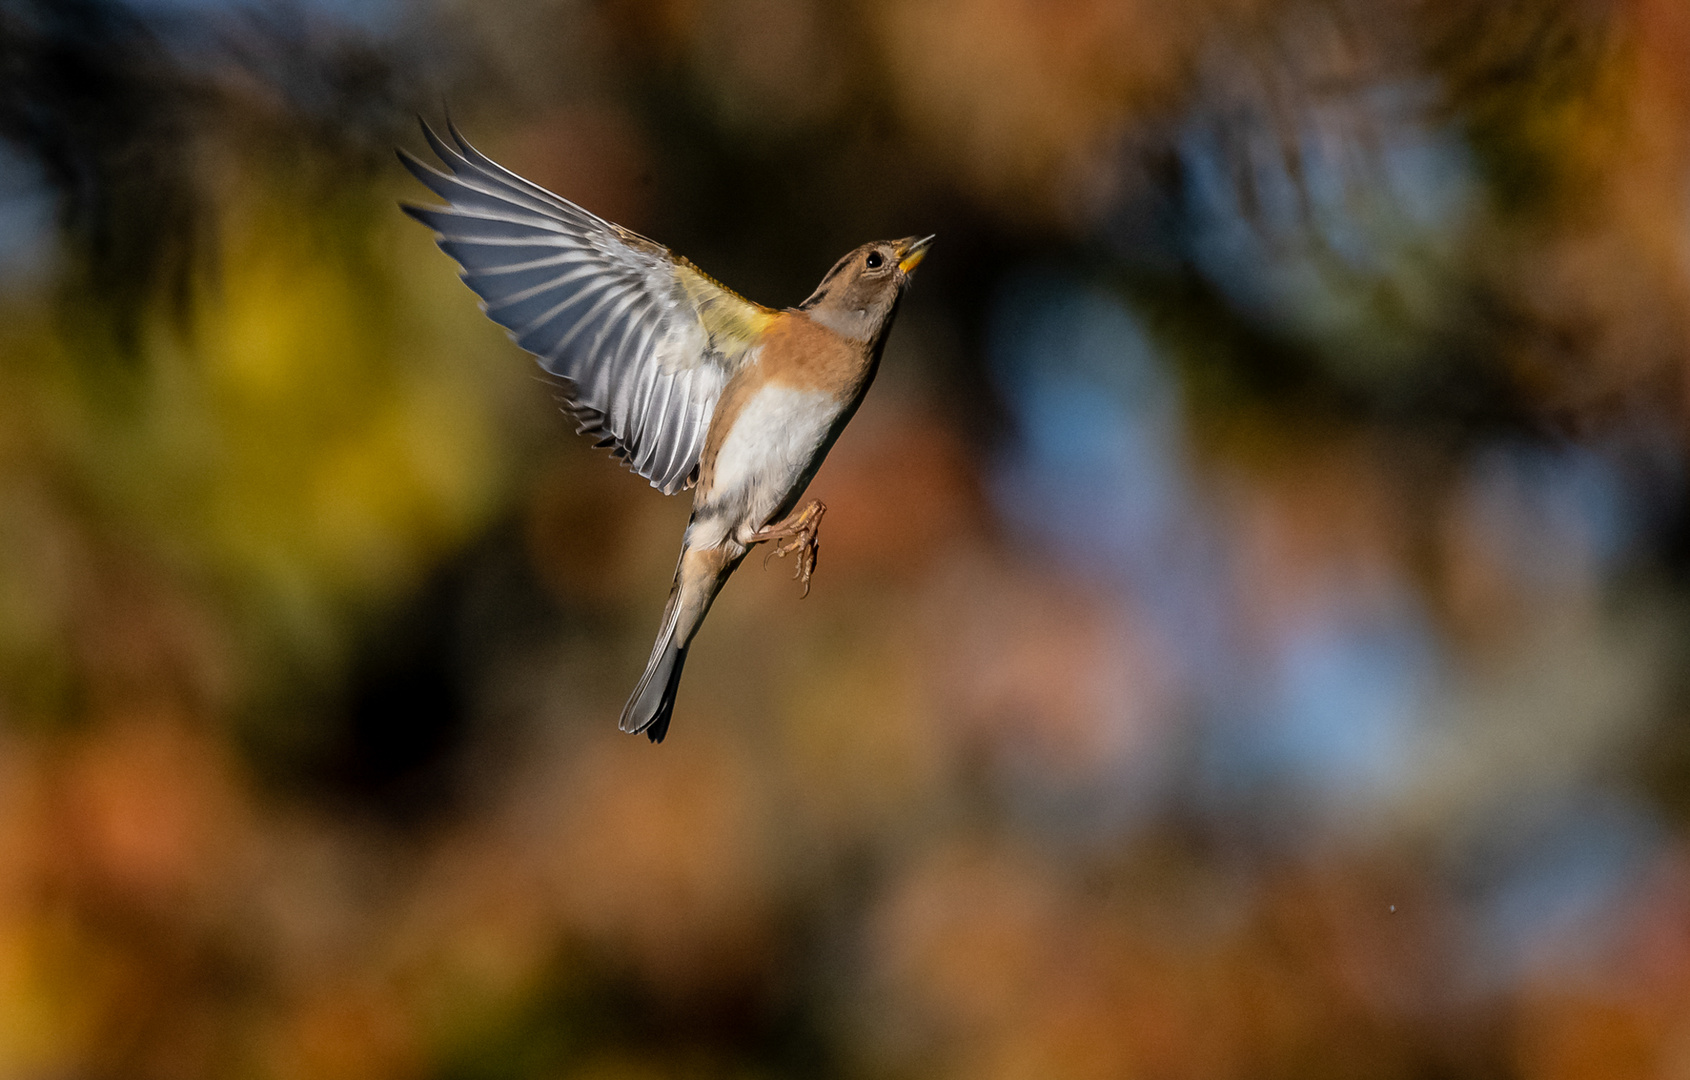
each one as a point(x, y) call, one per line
point(859, 295)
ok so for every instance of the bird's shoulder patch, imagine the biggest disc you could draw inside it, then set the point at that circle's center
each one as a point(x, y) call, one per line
point(735, 324)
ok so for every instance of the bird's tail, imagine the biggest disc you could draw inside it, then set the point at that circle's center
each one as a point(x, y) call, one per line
point(653, 699)
point(698, 579)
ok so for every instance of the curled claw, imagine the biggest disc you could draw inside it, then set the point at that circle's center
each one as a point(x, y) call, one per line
point(807, 546)
point(806, 563)
point(798, 535)
point(779, 551)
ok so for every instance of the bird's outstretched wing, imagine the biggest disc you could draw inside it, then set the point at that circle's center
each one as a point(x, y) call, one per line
point(644, 340)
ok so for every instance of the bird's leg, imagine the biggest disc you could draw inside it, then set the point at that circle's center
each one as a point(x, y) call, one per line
point(798, 533)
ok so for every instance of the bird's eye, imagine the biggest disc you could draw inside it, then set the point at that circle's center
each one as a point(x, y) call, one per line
point(873, 261)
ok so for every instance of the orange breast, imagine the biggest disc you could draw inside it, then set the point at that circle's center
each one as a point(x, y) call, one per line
point(806, 355)
point(794, 352)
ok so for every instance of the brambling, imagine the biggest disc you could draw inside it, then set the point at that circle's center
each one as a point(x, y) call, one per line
point(689, 383)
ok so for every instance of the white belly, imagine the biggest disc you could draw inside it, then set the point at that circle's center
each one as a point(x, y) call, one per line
point(770, 449)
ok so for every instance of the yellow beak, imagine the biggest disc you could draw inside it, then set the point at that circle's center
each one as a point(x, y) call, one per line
point(914, 252)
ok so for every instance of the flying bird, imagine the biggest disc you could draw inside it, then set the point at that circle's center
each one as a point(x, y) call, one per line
point(689, 383)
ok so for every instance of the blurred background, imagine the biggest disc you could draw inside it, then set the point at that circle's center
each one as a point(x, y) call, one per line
point(1250, 631)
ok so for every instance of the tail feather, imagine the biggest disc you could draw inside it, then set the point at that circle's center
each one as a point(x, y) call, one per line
point(653, 700)
point(698, 578)
point(658, 725)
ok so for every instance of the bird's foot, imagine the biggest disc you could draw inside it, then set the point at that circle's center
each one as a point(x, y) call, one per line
point(797, 534)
